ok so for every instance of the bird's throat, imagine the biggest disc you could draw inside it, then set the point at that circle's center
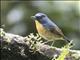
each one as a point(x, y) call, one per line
point(39, 26)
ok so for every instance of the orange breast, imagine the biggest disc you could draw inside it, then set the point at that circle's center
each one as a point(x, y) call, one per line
point(39, 27)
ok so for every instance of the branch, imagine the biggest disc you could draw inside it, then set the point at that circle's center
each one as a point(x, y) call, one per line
point(34, 44)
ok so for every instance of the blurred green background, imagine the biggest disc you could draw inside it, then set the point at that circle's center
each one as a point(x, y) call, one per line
point(16, 17)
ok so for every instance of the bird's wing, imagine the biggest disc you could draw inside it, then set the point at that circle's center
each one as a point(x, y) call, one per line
point(54, 29)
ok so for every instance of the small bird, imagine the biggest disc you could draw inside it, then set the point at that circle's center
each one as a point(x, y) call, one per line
point(47, 29)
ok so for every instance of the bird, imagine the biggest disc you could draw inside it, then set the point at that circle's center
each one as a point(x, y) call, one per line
point(47, 29)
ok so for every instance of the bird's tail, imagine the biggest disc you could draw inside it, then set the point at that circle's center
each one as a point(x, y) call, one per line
point(66, 39)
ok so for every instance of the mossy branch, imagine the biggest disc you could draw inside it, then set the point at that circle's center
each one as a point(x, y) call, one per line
point(33, 44)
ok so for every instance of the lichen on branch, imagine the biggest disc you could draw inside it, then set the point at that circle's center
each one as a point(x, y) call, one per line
point(32, 44)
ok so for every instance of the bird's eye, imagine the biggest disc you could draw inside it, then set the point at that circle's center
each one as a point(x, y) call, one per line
point(40, 17)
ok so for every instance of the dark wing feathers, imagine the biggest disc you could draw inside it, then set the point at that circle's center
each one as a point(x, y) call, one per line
point(53, 28)
point(56, 30)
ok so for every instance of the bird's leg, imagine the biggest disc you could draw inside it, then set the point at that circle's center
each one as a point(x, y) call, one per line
point(47, 41)
point(50, 41)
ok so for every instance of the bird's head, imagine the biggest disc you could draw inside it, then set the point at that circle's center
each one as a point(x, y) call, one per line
point(40, 17)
